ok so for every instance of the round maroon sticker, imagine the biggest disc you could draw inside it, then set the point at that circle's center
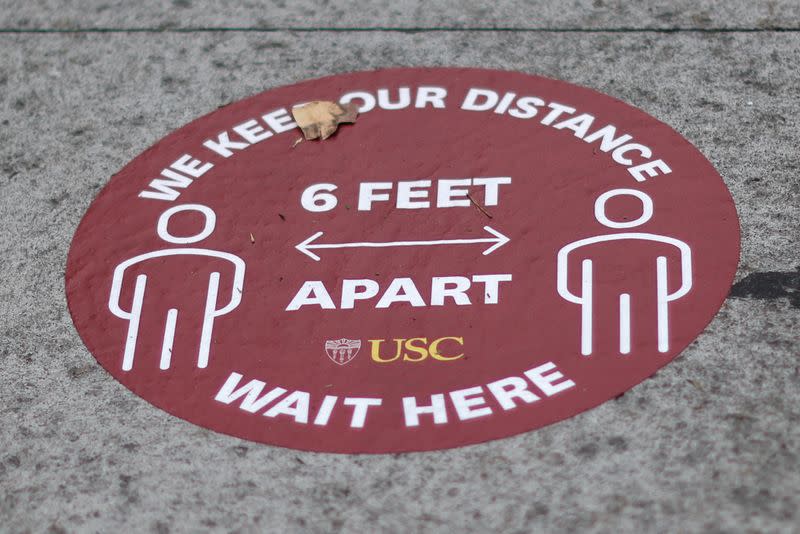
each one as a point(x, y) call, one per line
point(480, 254)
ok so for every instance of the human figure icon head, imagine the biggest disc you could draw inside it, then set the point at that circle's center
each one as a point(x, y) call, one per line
point(209, 217)
point(600, 208)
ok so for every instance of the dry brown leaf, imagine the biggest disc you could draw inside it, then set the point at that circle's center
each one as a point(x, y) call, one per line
point(320, 119)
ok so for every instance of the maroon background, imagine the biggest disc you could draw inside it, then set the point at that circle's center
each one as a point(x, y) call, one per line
point(556, 179)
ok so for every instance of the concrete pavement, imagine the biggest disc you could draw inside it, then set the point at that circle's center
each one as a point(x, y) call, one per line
point(709, 444)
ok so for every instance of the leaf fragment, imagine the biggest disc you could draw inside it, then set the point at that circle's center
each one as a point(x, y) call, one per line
point(321, 118)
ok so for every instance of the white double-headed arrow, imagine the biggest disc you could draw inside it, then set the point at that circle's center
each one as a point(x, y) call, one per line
point(497, 241)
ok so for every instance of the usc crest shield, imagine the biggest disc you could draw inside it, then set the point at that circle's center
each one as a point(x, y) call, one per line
point(342, 351)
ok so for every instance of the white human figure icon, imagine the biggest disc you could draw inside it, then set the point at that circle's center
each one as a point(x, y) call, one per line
point(210, 310)
point(662, 295)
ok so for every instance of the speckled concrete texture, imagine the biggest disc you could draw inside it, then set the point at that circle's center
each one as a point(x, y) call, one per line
point(709, 444)
point(358, 14)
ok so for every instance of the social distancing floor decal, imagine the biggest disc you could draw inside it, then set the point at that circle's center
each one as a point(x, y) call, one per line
point(480, 254)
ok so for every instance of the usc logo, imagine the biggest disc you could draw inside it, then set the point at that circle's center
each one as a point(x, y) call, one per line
point(416, 349)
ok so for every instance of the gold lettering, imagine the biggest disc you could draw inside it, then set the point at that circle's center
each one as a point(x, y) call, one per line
point(376, 350)
point(434, 349)
point(422, 351)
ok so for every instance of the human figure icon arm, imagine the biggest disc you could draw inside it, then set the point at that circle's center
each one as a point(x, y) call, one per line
point(115, 295)
point(133, 315)
point(663, 296)
point(584, 299)
point(685, 269)
point(236, 287)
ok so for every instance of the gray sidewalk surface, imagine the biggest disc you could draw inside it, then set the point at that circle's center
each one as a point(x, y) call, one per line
point(709, 444)
point(404, 14)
